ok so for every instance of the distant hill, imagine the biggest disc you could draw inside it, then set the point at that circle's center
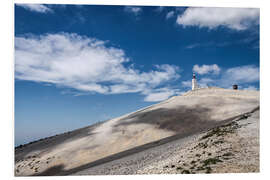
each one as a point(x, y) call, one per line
point(179, 117)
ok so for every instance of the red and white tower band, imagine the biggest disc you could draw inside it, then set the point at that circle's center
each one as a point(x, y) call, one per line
point(194, 82)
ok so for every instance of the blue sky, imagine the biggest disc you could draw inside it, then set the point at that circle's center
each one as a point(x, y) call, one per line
point(77, 65)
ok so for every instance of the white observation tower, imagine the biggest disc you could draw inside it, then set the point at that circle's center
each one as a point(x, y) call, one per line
point(194, 82)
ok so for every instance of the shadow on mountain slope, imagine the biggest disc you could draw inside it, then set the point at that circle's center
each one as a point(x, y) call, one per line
point(181, 119)
point(59, 169)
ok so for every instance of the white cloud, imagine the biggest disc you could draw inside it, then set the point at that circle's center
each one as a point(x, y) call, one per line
point(251, 88)
point(241, 75)
point(159, 9)
point(205, 69)
point(84, 64)
point(233, 18)
point(170, 15)
point(192, 46)
point(134, 10)
point(186, 83)
point(160, 94)
point(36, 7)
point(203, 82)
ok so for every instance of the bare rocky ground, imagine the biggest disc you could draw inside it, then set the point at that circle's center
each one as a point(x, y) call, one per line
point(229, 148)
point(142, 141)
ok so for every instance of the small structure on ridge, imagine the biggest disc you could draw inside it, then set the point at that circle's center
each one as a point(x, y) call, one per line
point(194, 82)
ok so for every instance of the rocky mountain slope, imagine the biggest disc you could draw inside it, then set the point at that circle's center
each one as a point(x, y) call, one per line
point(229, 148)
point(179, 118)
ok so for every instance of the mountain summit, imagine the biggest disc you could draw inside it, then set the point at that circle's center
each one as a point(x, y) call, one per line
point(179, 117)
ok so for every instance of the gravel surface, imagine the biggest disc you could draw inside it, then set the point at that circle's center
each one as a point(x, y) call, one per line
point(233, 147)
point(131, 164)
point(181, 116)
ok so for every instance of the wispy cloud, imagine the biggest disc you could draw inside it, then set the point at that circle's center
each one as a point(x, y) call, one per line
point(251, 88)
point(159, 9)
point(251, 41)
point(133, 9)
point(240, 75)
point(186, 84)
point(40, 8)
point(161, 94)
point(205, 69)
point(86, 65)
point(208, 44)
point(233, 18)
point(244, 76)
point(203, 82)
point(170, 15)
point(192, 46)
